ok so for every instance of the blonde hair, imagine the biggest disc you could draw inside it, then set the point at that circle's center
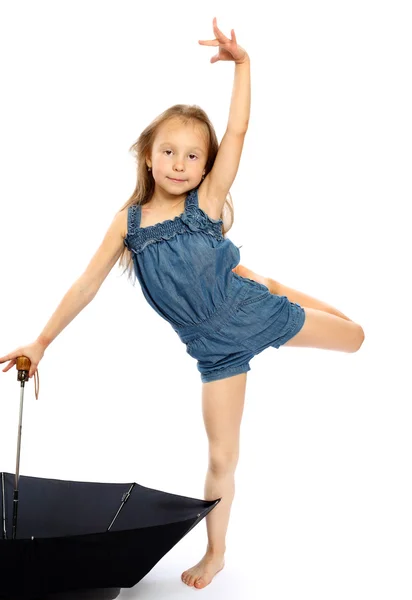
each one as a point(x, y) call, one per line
point(145, 183)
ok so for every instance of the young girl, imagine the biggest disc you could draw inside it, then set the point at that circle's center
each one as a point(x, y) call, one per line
point(171, 235)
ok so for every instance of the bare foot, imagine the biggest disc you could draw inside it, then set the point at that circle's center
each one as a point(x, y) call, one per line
point(202, 574)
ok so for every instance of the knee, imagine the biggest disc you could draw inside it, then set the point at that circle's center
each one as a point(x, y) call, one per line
point(223, 461)
point(359, 339)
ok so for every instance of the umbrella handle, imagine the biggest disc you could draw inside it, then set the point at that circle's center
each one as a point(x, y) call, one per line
point(23, 367)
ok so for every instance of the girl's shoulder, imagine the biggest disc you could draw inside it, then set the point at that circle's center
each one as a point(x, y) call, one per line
point(122, 217)
point(210, 204)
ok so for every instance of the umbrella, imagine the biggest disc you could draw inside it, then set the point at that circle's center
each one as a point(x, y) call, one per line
point(86, 538)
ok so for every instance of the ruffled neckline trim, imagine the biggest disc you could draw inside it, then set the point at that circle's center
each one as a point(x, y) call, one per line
point(192, 219)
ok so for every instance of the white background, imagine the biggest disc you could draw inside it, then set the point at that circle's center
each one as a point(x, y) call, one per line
point(323, 487)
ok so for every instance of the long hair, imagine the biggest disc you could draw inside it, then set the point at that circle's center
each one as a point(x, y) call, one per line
point(145, 183)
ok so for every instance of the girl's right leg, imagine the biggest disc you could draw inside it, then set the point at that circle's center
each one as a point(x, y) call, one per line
point(223, 401)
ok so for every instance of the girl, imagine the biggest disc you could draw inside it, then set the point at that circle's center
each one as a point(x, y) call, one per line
point(171, 235)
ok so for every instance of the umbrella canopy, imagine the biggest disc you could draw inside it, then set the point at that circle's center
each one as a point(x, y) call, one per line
point(75, 535)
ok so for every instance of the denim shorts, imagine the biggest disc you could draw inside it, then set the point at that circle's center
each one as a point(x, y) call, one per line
point(248, 321)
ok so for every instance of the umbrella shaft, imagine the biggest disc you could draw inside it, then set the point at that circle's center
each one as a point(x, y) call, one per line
point(15, 507)
point(19, 435)
point(16, 493)
point(3, 504)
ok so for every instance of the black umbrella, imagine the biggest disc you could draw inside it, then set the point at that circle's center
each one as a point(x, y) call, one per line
point(89, 538)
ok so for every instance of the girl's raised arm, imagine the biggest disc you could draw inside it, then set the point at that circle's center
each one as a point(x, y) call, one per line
point(220, 179)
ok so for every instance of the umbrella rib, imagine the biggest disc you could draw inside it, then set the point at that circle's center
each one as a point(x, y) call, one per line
point(125, 498)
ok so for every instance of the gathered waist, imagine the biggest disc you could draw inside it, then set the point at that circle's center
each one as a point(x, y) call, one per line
point(236, 293)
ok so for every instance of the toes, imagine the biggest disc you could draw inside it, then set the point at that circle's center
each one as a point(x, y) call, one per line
point(187, 579)
point(200, 583)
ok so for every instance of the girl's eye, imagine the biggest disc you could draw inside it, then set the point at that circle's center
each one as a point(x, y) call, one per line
point(189, 154)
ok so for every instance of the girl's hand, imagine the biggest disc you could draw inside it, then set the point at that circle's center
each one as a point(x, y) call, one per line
point(228, 48)
point(33, 351)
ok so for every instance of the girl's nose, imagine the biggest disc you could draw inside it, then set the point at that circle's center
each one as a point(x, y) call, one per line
point(178, 163)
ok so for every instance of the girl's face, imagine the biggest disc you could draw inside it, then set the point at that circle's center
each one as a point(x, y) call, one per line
point(179, 156)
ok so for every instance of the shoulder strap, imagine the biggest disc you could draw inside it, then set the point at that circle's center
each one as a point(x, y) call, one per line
point(133, 218)
point(192, 198)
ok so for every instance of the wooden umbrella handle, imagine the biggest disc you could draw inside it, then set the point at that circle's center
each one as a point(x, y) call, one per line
point(23, 366)
point(23, 363)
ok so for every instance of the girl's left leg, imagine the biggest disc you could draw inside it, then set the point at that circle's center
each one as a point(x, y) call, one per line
point(325, 327)
point(275, 287)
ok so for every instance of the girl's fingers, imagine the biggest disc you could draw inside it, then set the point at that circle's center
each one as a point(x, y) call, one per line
point(209, 42)
point(217, 30)
point(221, 39)
point(11, 356)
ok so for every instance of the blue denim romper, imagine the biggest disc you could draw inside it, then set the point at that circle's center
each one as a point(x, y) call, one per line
point(184, 267)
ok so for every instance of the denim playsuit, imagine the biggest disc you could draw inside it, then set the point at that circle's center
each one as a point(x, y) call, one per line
point(184, 267)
